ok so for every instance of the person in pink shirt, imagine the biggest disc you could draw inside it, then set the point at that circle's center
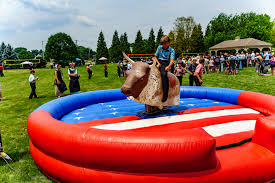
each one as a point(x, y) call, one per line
point(198, 73)
point(179, 71)
point(272, 64)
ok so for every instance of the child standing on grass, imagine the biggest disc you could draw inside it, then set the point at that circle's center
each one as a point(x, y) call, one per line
point(32, 80)
point(105, 70)
point(179, 71)
point(198, 73)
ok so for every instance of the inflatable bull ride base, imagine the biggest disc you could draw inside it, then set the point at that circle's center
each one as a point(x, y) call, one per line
point(213, 135)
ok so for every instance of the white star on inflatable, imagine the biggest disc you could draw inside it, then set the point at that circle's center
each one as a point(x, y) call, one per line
point(205, 99)
point(77, 113)
point(101, 103)
point(191, 104)
point(82, 109)
point(216, 102)
point(109, 105)
point(113, 109)
point(114, 113)
point(78, 118)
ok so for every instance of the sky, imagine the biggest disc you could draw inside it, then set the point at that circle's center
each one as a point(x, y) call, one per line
point(28, 23)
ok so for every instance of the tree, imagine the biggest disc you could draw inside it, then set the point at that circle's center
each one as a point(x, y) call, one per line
point(150, 43)
point(9, 53)
point(172, 37)
point(124, 44)
point(19, 49)
point(2, 48)
point(246, 25)
point(60, 47)
point(273, 33)
point(101, 50)
point(36, 52)
point(197, 44)
point(85, 53)
point(160, 34)
point(138, 47)
point(115, 50)
point(24, 54)
point(183, 31)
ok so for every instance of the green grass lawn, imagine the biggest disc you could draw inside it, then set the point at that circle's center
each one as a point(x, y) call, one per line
point(16, 107)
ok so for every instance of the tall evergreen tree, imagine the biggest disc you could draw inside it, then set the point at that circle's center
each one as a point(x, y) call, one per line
point(150, 46)
point(160, 34)
point(2, 48)
point(197, 44)
point(124, 44)
point(9, 53)
point(101, 50)
point(139, 44)
point(114, 50)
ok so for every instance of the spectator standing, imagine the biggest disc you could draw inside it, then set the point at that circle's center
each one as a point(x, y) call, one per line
point(1, 93)
point(206, 65)
point(191, 70)
point(232, 64)
point(211, 64)
point(59, 84)
point(105, 70)
point(179, 71)
point(253, 58)
point(258, 61)
point(222, 60)
point(226, 65)
point(89, 70)
point(74, 80)
point(198, 73)
point(217, 64)
point(32, 80)
point(119, 69)
point(51, 64)
point(2, 71)
point(129, 66)
point(266, 58)
point(272, 64)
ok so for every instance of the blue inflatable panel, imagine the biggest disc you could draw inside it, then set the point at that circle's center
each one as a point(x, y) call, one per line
point(126, 107)
point(59, 107)
point(219, 94)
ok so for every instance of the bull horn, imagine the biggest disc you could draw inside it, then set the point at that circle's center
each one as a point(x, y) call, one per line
point(130, 60)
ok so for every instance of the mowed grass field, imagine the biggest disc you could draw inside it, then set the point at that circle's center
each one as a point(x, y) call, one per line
point(16, 107)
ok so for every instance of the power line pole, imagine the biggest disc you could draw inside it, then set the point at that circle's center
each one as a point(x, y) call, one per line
point(76, 42)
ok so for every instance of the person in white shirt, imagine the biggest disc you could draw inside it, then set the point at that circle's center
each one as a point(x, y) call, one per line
point(32, 80)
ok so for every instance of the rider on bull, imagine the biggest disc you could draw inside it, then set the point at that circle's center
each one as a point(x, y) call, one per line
point(165, 56)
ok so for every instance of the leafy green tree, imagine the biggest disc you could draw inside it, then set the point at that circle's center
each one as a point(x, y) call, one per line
point(160, 34)
point(138, 47)
point(197, 39)
point(59, 47)
point(19, 49)
point(124, 44)
point(245, 25)
point(183, 30)
point(273, 33)
point(85, 53)
point(172, 37)
point(115, 50)
point(150, 42)
point(101, 50)
point(24, 54)
point(9, 53)
point(36, 52)
point(2, 48)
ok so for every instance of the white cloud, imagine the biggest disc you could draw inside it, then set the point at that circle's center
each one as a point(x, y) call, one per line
point(85, 20)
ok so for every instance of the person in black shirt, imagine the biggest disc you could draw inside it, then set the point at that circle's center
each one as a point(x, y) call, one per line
point(191, 70)
point(59, 84)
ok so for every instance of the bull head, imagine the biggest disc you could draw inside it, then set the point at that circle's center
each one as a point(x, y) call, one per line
point(136, 78)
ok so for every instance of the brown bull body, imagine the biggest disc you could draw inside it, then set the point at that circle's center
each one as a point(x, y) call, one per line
point(143, 83)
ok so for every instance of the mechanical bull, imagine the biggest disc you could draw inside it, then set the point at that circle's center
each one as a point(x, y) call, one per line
point(143, 84)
